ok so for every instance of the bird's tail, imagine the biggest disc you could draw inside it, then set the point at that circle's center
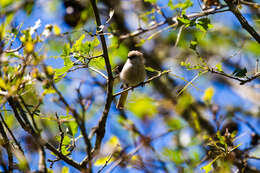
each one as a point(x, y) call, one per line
point(122, 100)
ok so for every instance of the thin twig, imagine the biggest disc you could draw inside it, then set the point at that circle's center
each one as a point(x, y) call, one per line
point(42, 157)
point(80, 122)
point(241, 80)
point(251, 4)
point(142, 83)
point(61, 132)
point(13, 137)
point(99, 72)
point(179, 36)
point(7, 146)
point(171, 21)
point(14, 50)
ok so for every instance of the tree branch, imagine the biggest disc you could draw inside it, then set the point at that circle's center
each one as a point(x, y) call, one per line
point(143, 83)
point(251, 4)
point(172, 21)
point(243, 21)
point(100, 130)
point(241, 80)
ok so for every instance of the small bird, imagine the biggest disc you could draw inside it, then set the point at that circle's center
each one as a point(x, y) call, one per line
point(133, 73)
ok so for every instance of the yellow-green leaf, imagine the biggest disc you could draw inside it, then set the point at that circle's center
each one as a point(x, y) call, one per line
point(139, 103)
point(56, 30)
point(219, 67)
point(65, 169)
point(113, 142)
point(103, 160)
point(208, 94)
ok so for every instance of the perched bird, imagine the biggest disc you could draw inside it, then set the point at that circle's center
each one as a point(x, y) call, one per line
point(133, 73)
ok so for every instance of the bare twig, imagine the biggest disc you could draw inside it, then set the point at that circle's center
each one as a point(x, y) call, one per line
point(241, 80)
point(80, 122)
point(99, 72)
point(7, 146)
point(254, 157)
point(233, 8)
point(143, 83)
point(61, 132)
point(13, 137)
point(179, 36)
point(171, 21)
point(107, 161)
point(42, 157)
point(251, 4)
point(14, 50)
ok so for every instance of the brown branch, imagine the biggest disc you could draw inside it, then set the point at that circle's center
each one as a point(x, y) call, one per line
point(62, 156)
point(61, 132)
point(80, 122)
point(171, 21)
point(251, 4)
point(142, 83)
point(100, 130)
point(6, 144)
point(13, 137)
point(241, 80)
point(42, 157)
point(233, 8)
point(14, 50)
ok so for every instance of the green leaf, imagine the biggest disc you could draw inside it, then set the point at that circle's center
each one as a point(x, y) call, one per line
point(5, 3)
point(193, 44)
point(252, 47)
point(183, 6)
point(66, 50)
point(77, 46)
point(184, 101)
point(175, 123)
point(204, 24)
point(175, 156)
point(184, 19)
point(240, 72)
point(208, 94)
point(65, 169)
point(104, 160)
point(219, 67)
point(72, 127)
point(151, 69)
point(138, 104)
point(66, 140)
point(208, 167)
point(151, 1)
point(95, 42)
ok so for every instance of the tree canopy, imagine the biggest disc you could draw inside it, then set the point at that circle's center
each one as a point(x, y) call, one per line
point(197, 111)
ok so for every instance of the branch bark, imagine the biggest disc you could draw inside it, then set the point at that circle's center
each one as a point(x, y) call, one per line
point(100, 130)
point(233, 8)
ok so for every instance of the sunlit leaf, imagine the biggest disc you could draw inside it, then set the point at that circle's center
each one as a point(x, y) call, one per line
point(139, 103)
point(208, 167)
point(204, 24)
point(151, 1)
point(56, 30)
point(208, 94)
point(65, 169)
point(176, 156)
point(181, 5)
point(113, 142)
point(193, 44)
point(219, 67)
point(104, 160)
